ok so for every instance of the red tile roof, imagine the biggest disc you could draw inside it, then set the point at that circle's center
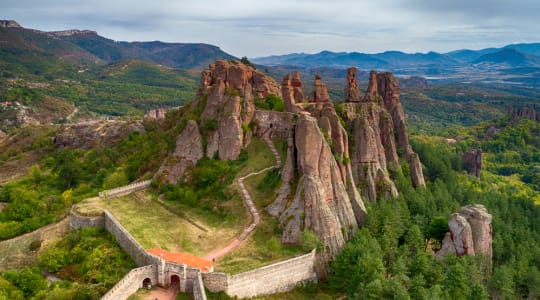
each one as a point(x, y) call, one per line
point(184, 258)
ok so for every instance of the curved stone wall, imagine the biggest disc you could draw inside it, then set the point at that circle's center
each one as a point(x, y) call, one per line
point(132, 282)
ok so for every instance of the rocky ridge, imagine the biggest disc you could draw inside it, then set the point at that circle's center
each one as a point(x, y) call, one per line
point(102, 133)
point(377, 127)
point(325, 166)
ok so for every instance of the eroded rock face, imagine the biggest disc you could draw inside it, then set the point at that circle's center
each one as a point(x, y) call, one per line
point(155, 114)
point(377, 125)
point(89, 135)
point(525, 112)
point(472, 160)
point(470, 233)
point(228, 90)
point(352, 94)
point(320, 93)
point(187, 153)
point(321, 202)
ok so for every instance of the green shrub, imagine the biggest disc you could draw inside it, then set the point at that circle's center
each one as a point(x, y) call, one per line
point(270, 102)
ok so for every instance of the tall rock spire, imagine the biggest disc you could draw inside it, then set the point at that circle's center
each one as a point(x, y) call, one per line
point(352, 94)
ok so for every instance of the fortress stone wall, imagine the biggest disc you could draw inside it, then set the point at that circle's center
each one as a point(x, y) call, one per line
point(275, 278)
point(128, 242)
point(278, 124)
point(77, 221)
point(198, 288)
point(153, 267)
point(125, 190)
point(132, 282)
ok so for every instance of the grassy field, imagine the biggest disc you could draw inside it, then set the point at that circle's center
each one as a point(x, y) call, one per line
point(259, 155)
point(154, 226)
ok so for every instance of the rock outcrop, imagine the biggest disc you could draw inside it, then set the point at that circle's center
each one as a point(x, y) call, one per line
point(352, 94)
point(378, 130)
point(87, 135)
point(226, 95)
point(472, 161)
point(525, 112)
point(326, 164)
point(155, 114)
point(321, 202)
point(187, 153)
point(320, 93)
point(470, 233)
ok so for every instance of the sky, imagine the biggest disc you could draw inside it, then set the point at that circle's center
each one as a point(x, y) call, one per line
point(256, 28)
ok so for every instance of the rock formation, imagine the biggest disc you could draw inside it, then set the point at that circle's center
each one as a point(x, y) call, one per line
point(187, 153)
point(525, 112)
point(155, 114)
point(321, 202)
point(326, 165)
point(320, 93)
point(226, 95)
point(89, 135)
point(472, 161)
point(352, 94)
point(378, 130)
point(470, 233)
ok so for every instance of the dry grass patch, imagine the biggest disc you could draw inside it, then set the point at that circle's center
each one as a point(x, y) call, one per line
point(90, 207)
point(154, 226)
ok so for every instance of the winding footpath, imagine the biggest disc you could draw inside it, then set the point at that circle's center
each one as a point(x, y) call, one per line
point(248, 202)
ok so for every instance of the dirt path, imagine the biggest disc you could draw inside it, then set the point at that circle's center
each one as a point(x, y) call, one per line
point(162, 294)
point(248, 202)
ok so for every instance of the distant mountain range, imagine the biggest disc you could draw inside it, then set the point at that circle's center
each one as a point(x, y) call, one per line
point(85, 46)
point(515, 55)
point(516, 63)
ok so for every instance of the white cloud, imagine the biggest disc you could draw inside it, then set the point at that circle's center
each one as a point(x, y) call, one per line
point(255, 28)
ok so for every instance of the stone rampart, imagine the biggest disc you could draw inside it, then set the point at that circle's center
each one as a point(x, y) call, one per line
point(216, 281)
point(277, 124)
point(275, 278)
point(128, 243)
point(77, 221)
point(125, 190)
point(132, 282)
point(198, 288)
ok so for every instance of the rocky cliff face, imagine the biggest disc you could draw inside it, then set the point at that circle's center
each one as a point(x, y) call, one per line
point(187, 153)
point(321, 202)
point(525, 112)
point(223, 109)
point(470, 233)
point(326, 199)
point(228, 90)
point(377, 126)
point(89, 135)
